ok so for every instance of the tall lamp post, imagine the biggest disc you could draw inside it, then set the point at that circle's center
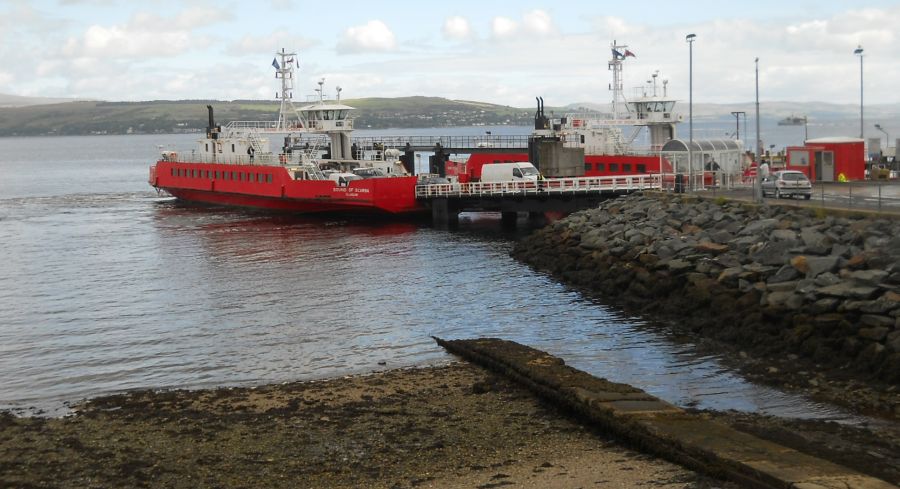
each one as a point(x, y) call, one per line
point(859, 52)
point(758, 145)
point(690, 40)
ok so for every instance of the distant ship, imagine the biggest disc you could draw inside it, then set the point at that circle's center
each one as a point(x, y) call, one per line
point(316, 170)
point(792, 121)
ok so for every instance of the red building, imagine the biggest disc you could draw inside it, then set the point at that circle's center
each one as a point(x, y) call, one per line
point(826, 159)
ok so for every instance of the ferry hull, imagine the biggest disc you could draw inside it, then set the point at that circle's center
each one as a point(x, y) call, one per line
point(272, 188)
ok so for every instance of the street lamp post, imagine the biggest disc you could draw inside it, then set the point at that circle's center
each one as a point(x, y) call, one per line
point(737, 123)
point(859, 52)
point(887, 137)
point(690, 40)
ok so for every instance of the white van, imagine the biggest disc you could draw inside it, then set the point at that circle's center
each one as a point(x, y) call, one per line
point(507, 172)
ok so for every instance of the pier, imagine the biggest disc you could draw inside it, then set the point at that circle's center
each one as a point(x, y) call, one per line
point(447, 200)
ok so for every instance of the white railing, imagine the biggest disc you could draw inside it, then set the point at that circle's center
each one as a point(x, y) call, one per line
point(549, 186)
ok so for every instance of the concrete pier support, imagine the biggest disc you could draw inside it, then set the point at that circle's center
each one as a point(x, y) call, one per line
point(508, 218)
point(444, 213)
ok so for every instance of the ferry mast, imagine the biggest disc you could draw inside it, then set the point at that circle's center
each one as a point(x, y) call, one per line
point(285, 72)
point(615, 64)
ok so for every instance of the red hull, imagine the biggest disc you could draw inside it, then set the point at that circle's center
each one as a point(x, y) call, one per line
point(272, 188)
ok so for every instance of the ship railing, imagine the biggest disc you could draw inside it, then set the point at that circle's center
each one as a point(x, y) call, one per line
point(550, 186)
point(263, 159)
point(518, 142)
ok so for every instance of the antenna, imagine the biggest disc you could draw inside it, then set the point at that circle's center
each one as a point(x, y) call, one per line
point(339, 93)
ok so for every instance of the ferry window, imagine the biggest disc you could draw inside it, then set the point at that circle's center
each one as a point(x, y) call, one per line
point(258, 178)
point(173, 172)
point(207, 147)
point(588, 167)
point(582, 139)
point(641, 168)
point(232, 147)
point(207, 173)
point(626, 167)
point(601, 166)
point(614, 167)
point(517, 173)
point(240, 176)
point(269, 178)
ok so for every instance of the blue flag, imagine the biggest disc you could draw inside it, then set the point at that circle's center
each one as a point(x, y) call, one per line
point(617, 55)
point(275, 64)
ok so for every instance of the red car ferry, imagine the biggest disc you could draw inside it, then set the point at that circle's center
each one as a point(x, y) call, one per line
point(316, 170)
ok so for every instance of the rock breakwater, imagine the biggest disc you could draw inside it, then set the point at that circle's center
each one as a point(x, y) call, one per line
point(771, 279)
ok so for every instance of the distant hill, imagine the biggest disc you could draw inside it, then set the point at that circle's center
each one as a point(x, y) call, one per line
point(20, 101)
point(174, 116)
point(167, 116)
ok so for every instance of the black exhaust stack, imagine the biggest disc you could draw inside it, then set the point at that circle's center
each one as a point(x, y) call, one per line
point(212, 131)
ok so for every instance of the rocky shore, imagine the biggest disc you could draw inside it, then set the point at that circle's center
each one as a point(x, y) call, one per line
point(813, 291)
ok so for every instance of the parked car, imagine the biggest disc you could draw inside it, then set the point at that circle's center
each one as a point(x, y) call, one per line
point(787, 183)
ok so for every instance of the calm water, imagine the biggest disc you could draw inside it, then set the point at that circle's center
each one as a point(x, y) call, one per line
point(106, 286)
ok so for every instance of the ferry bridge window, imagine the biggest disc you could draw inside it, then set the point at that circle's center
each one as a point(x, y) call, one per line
point(614, 167)
point(626, 167)
point(641, 168)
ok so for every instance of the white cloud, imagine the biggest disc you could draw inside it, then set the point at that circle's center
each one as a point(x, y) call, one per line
point(457, 28)
point(538, 22)
point(375, 35)
point(503, 27)
point(146, 35)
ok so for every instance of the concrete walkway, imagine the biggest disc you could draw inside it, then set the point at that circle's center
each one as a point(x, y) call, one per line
point(655, 426)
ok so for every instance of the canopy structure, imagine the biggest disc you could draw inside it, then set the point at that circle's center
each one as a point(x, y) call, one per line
point(720, 155)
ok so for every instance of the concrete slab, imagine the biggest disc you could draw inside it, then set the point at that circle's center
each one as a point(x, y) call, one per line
point(658, 427)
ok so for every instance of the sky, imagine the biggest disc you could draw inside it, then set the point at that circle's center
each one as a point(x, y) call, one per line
point(504, 52)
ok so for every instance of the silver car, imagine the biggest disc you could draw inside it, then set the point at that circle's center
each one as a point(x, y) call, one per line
point(787, 183)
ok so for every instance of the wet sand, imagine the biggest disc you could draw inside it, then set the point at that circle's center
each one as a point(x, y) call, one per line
point(452, 426)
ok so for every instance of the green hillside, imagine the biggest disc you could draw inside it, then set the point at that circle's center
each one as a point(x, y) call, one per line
point(164, 116)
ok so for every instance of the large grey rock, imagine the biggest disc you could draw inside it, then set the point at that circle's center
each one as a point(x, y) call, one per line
point(825, 305)
point(866, 276)
point(815, 243)
point(759, 227)
point(893, 341)
point(817, 265)
point(826, 279)
point(774, 253)
point(784, 274)
point(678, 265)
point(784, 235)
point(877, 321)
point(876, 333)
point(849, 290)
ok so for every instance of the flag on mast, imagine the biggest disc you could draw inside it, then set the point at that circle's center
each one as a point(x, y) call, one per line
point(629, 53)
point(275, 64)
